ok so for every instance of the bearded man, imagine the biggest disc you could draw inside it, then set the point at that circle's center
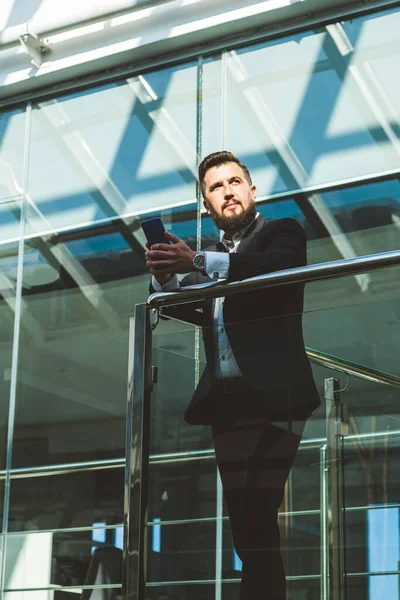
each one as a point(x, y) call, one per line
point(257, 389)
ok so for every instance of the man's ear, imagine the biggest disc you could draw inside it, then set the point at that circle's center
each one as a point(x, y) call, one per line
point(254, 192)
point(206, 206)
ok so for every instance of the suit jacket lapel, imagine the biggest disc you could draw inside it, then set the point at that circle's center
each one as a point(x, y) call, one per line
point(253, 230)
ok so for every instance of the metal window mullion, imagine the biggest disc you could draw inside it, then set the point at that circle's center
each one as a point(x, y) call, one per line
point(224, 98)
point(15, 347)
point(219, 525)
point(199, 151)
point(199, 143)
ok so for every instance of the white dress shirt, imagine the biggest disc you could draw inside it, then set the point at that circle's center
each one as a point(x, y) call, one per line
point(216, 267)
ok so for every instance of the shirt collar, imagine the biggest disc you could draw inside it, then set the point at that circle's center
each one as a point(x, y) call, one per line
point(238, 235)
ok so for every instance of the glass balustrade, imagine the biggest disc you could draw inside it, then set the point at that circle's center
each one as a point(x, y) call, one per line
point(339, 518)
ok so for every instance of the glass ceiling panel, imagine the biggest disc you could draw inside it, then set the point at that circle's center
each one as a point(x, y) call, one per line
point(317, 108)
point(12, 135)
point(10, 216)
point(122, 149)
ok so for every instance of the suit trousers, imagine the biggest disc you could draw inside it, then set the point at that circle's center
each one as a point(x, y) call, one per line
point(255, 453)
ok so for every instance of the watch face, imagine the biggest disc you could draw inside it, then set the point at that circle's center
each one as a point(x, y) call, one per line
point(199, 261)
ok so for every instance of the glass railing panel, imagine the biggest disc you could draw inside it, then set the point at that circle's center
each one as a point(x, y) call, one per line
point(354, 319)
point(66, 593)
point(372, 445)
point(181, 515)
point(181, 552)
point(182, 486)
point(194, 591)
point(176, 355)
point(300, 546)
point(183, 478)
point(384, 586)
point(370, 462)
point(67, 501)
point(8, 307)
point(52, 559)
point(301, 587)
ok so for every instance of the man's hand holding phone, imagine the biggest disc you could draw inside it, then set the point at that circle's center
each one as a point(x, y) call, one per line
point(163, 259)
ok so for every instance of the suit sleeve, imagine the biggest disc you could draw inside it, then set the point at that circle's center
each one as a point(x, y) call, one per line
point(186, 312)
point(189, 279)
point(285, 248)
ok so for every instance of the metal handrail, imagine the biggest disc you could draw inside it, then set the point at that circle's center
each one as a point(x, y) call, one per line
point(346, 366)
point(329, 270)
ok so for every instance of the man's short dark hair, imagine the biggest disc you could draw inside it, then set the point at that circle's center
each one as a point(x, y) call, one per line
point(216, 159)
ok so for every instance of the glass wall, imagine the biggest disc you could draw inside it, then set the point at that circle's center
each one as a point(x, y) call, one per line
point(315, 116)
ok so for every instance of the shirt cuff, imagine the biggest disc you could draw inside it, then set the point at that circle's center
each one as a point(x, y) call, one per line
point(217, 264)
point(170, 286)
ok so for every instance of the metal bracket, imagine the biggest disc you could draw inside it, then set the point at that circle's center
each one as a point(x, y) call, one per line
point(35, 47)
point(332, 394)
point(342, 424)
point(155, 318)
point(153, 376)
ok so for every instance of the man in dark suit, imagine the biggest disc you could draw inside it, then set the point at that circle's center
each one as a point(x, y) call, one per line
point(257, 389)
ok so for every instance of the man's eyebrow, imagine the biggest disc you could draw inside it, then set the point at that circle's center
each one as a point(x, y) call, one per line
point(214, 185)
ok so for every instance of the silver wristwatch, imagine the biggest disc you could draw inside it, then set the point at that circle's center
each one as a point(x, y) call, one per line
point(199, 261)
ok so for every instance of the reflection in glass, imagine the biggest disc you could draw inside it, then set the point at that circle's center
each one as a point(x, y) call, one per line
point(123, 149)
point(182, 592)
point(12, 139)
point(366, 218)
point(8, 276)
point(79, 291)
point(174, 346)
point(212, 134)
point(309, 109)
point(72, 372)
point(181, 552)
point(40, 560)
point(65, 501)
point(184, 489)
point(278, 88)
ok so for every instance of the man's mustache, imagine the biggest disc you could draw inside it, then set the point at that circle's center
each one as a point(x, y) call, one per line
point(232, 202)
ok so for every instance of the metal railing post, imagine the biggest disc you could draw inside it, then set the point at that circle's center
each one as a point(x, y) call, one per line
point(335, 431)
point(324, 524)
point(137, 455)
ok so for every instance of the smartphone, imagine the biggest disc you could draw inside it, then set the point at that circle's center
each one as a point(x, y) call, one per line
point(154, 231)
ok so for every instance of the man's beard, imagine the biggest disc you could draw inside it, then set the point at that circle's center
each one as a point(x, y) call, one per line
point(234, 222)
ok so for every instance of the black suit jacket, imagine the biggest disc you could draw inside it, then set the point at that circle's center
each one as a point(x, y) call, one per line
point(264, 327)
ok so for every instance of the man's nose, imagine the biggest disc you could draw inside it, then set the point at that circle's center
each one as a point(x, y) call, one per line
point(228, 192)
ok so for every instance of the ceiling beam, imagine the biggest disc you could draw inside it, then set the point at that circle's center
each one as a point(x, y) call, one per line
point(122, 45)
